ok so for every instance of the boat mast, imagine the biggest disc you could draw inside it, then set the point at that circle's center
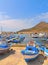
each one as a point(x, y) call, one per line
point(1, 29)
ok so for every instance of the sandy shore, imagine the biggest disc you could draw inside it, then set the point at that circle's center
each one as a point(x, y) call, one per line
point(14, 57)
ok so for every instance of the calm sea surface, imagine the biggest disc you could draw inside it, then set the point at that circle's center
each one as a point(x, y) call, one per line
point(39, 41)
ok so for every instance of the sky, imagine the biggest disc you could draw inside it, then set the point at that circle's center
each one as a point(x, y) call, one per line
point(22, 14)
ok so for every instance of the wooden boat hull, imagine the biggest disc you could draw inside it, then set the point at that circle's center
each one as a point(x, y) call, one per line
point(30, 57)
point(4, 50)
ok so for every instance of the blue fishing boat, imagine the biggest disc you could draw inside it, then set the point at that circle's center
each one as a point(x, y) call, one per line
point(41, 48)
point(15, 41)
point(4, 47)
point(30, 53)
point(10, 37)
point(47, 39)
point(18, 40)
point(46, 51)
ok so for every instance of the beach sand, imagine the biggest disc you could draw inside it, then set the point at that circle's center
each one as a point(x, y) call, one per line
point(14, 57)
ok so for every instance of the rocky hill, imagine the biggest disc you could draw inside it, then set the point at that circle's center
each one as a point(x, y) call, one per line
point(41, 27)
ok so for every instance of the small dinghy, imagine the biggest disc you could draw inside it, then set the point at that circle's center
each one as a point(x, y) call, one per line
point(30, 53)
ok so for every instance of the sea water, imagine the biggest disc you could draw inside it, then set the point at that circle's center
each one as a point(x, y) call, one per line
point(39, 41)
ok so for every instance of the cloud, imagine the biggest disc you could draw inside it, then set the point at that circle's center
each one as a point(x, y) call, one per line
point(4, 16)
point(9, 24)
point(41, 16)
point(15, 24)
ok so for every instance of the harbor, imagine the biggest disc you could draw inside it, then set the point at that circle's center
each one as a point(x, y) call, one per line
point(23, 32)
point(16, 58)
point(12, 54)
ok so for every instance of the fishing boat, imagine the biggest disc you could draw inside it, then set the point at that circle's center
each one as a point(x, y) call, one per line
point(35, 35)
point(15, 41)
point(10, 37)
point(41, 48)
point(46, 51)
point(4, 47)
point(47, 39)
point(30, 53)
point(18, 40)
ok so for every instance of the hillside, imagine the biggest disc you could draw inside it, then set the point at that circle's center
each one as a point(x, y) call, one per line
point(41, 27)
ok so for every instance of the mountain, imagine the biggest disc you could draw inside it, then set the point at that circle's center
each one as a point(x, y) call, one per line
point(41, 27)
